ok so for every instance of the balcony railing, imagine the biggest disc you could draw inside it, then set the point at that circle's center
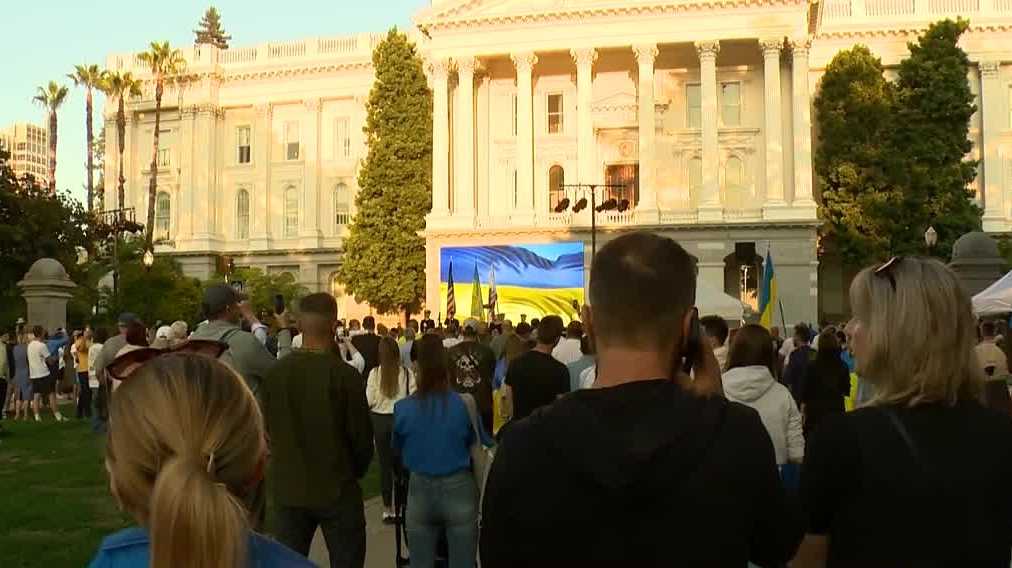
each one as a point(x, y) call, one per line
point(857, 11)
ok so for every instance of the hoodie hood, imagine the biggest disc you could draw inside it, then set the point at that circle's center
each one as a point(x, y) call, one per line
point(747, 384)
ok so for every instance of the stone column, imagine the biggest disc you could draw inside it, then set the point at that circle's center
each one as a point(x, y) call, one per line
point(263, 140)
point(802, 125)
point(990, 120)
point(438, 70)
point(463, 189)
point(187, 199)
point(647, 209)
point(129, 179)
point(203, 132)
point(309, 214)
point(46, 289)
point(584, 59)
point(525, 62)
point(710, 208)
point(772, 128)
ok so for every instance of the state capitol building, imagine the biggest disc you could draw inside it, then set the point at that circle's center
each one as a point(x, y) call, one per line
point(701, 110)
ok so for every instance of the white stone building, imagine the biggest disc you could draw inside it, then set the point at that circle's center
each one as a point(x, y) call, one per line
point(260, 151)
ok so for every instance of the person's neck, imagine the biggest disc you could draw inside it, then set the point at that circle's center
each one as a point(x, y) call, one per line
point(621, 365)
point(544, 348)
point(317, 343)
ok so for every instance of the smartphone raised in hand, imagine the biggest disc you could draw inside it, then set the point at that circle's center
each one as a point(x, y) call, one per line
point(693, 344)
point(279, 304)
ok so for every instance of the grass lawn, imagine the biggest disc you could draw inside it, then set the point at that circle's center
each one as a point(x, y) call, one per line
point(55, 505)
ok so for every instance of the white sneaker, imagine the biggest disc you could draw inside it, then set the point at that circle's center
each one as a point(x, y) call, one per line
point(60, 417)
point(38, 418)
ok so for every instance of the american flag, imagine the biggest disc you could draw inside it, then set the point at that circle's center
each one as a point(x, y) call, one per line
point(451, 300)
point(493, 296)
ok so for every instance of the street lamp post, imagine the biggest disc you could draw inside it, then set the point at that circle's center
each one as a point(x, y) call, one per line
point(581, 204)
point(117, 218)
point(931, 238)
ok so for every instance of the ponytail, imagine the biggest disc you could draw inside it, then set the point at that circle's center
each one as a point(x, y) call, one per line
point(194, 520)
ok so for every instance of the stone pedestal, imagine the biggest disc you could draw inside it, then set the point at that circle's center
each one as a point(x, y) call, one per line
point(46, 289)
point(976, 261)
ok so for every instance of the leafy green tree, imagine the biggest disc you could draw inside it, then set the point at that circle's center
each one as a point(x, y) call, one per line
point(210, 30)
point(161, 293)
point(260, 287)
point(934, 106)
point(854, 160)
point(36, 223)
point(891, 157)
point(384, 256)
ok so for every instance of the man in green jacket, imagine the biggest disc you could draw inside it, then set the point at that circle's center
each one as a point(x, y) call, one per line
point(321, 440)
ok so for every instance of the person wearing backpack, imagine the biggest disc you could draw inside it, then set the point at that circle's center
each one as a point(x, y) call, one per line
point(225, 310)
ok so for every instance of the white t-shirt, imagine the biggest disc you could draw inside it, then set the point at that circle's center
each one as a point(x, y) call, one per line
point(567, 351)
point(588, 376)
point(37, 353)
point(378, 402)
point(93, 352)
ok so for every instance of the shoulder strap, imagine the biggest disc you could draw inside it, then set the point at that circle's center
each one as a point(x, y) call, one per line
point(905, 434)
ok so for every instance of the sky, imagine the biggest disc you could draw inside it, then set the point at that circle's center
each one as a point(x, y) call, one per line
point(84, 32)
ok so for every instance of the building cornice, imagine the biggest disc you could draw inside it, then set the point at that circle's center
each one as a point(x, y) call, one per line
point(904, 31)
point(543, 230)
point(464, 15)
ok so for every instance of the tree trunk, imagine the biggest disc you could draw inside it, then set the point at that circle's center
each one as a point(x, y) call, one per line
point(149, 233)
point(120, 135)
point(91, 153)
point(52, 151)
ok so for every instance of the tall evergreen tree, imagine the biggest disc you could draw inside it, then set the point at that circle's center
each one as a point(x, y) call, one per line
point(210, 30)
point(384, 262)
point(934, 106)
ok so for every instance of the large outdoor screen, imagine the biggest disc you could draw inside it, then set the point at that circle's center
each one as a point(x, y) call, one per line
point(532, 280)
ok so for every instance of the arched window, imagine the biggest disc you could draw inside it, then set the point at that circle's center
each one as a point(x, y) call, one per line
point(242, 214)
point(695, 177)
point(163, 216)
point(291, 212)
point(342, 205)
point(556, 191)
point(734, 183)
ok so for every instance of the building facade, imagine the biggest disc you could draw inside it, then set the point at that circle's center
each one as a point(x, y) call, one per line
point(698, 115)
point(28, 146)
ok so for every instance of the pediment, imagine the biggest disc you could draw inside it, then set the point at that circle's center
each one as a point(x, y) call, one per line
point(480, 9)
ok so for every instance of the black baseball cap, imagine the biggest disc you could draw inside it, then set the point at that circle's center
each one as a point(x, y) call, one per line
point(219, 297)
point(127, 318)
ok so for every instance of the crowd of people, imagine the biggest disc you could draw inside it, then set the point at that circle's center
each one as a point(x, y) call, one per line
point(639, 434)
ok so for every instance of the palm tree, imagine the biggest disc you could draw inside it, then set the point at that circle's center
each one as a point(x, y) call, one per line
point(51, 97)
point(121, 85)
point(90, 77)
point(165, 64)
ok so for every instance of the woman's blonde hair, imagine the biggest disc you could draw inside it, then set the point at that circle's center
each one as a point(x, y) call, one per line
point(920, 333)
point(390, 367)
point(186, 442)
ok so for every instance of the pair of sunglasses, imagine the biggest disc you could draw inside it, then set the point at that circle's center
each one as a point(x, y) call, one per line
point(886, 270)
point(125, 365)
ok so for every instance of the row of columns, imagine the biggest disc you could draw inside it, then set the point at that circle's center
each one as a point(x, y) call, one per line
point(710, 208)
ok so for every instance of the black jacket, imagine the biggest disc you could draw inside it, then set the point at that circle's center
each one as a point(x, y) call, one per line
point(643, 474)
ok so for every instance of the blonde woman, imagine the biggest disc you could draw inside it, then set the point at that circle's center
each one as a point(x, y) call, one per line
point(387, 384)
point(186, 448)
point(919, 476)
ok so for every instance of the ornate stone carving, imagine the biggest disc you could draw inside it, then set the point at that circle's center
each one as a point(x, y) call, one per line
point(645, 53)
point(438, 67)
point(989, 69)
point(800, 47)
point(465, 64)
point(771, 46)
point(312, 105)
point(264, 110)
point(707, 49)
point(584, 56)
point(524, 61)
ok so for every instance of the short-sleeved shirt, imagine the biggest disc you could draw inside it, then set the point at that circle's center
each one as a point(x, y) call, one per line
point(941, 500)
point(37, 354)
point(536, 380)
point(472, 367)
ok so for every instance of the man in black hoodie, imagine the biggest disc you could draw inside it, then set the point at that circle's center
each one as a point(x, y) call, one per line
point(648, 468)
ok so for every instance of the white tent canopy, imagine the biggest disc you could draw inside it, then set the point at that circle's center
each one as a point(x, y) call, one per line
point(995, 299)
point(712, 301)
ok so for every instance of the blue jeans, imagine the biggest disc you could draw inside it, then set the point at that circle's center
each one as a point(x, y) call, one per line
point(437, 504)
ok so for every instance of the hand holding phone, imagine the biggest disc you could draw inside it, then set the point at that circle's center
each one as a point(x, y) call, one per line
point(698, 361)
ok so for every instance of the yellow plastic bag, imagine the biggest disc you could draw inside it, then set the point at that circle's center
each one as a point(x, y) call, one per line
point(498, 416)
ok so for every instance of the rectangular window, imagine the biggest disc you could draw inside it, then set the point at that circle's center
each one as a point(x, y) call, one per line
point(694, 108)
point(292, 140)
point(164, 158)
point(242, 143)
point(730, 104)
point(626, 178)
point(343, 137)
point(342, 205)
point(515, 113)
point(555, 113)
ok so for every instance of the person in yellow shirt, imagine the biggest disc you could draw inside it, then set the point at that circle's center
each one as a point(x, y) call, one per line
point(81, 347)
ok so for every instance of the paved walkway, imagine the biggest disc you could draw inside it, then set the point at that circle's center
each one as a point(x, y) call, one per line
point(380, 544)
